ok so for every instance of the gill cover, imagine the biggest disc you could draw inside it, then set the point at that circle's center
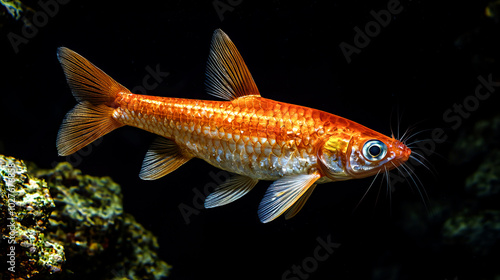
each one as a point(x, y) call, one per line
point(346, 157)
point(332, 159)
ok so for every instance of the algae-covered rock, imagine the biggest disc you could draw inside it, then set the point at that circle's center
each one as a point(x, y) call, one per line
point(70, 225)
point(485, 181)
point(475, 226)
point(89, 218)
point(476, 231)
point(16, 8)
point(25, 207)
point(88, 209)
point(476, 141)
point(140, 260)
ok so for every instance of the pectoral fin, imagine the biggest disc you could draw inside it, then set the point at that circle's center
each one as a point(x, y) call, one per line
point(163, 157)
point(297, 206)
point(235, 187)
point(283, 193)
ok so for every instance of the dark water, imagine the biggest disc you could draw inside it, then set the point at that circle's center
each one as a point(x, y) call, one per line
point(419, 66)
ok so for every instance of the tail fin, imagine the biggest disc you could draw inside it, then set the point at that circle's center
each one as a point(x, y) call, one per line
point(96, 92)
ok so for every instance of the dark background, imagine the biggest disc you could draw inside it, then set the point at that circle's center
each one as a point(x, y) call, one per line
point(425, 60)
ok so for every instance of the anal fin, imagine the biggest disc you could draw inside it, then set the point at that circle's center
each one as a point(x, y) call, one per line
point(232, 189)
point(283, 193)
point(163, 157)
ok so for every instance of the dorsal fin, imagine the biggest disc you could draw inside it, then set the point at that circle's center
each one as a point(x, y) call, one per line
point(227, 74)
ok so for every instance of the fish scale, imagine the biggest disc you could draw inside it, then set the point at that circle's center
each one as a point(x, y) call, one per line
point(234, 136)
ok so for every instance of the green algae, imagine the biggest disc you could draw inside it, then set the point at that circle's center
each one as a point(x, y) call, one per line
point(25, 208)
point(14, 7)
point(475, 224)
point(17, 10)
point(476, 231)
point(72, 225)
point(485, 181)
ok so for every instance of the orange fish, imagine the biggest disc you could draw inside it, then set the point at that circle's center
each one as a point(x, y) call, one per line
point(253, 137)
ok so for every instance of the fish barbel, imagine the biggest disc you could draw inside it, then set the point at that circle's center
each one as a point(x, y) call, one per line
point(253, 137)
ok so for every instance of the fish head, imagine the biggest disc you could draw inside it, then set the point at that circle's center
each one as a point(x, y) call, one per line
point(372, 153)
point(361, 155)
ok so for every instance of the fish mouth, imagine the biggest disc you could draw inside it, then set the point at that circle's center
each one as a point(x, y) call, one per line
point(401, 153)
point(405, 152)
point(401, 157)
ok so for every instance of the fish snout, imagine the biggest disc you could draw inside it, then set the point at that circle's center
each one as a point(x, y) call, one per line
point(405, 152)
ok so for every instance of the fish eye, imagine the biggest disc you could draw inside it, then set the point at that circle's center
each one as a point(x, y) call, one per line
point(374, 150)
